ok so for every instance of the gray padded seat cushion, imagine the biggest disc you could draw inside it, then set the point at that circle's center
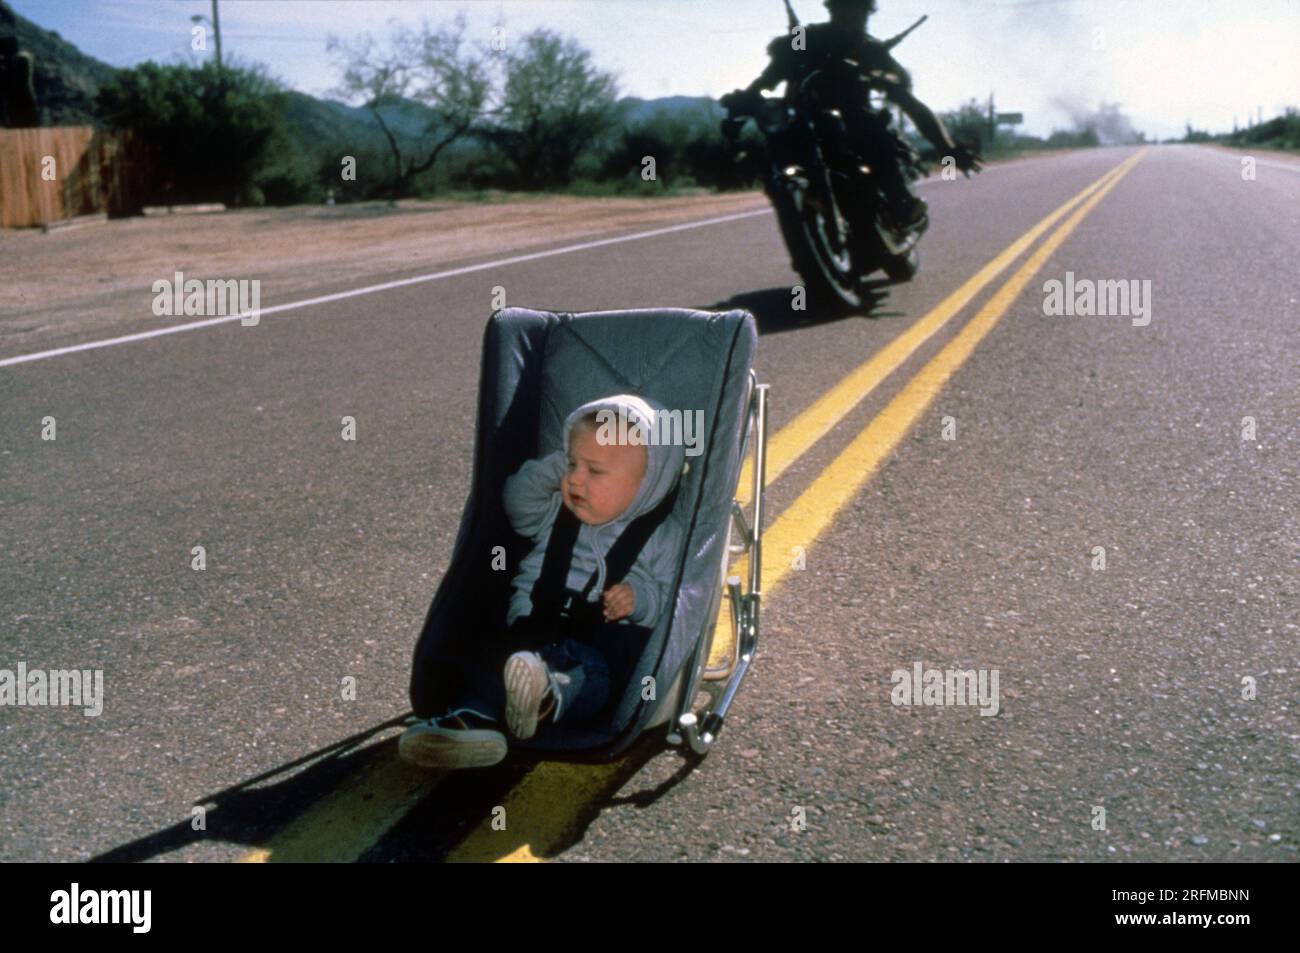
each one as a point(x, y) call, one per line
point(537, 367)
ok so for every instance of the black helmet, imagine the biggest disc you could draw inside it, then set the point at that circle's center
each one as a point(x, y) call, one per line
point(868, 5)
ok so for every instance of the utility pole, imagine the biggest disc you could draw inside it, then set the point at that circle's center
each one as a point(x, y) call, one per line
point(216, 30)
point(215, 20)
point(993, 124)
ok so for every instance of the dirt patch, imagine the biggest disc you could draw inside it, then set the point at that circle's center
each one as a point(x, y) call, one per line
point(93, 278)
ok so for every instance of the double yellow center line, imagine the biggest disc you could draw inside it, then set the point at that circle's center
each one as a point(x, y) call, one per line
point(813, 511)
point(543, 811)
point(828, 410)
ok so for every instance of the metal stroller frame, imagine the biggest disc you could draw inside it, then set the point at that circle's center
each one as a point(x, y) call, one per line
point(699, 731)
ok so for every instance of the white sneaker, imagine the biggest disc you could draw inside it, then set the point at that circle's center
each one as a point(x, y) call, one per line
point(528, 684)
point(450, 742)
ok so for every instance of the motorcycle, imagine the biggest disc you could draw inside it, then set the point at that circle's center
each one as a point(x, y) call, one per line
point(832, 210)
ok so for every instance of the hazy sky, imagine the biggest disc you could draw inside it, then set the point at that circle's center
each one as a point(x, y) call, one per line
point(1167, 61)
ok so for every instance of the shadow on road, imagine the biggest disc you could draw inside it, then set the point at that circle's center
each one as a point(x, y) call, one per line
point(773, 314)
point(253, 810)
point(451, 823)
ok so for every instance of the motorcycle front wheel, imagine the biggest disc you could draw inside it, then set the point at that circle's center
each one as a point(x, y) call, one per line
point(832, 275)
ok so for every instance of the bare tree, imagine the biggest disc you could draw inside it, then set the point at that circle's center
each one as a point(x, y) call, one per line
point(554, 105)
point(433, 67)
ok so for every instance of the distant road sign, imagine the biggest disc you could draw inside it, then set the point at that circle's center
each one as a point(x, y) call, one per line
point(1011, 119)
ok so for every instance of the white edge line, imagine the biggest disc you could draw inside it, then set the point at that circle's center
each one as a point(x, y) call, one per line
point(1245, 153)
point(1287, 166)
point(372, 289)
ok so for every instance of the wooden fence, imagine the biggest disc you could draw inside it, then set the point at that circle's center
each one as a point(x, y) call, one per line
point(51, 174)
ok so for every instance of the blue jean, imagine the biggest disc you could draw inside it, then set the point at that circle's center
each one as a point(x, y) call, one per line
point(583, 672)
point(579, 676)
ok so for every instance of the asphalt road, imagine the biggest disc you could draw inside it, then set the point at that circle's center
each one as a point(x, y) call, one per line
point(1120, 688)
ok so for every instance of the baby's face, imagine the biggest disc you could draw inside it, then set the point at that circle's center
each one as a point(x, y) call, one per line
point(603, 479)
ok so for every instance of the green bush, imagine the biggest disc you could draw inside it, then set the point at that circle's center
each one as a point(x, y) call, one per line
point(211, 132)
point(1281, 132)
point(677, 142)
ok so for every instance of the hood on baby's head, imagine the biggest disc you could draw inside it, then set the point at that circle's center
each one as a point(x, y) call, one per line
point(663, 460)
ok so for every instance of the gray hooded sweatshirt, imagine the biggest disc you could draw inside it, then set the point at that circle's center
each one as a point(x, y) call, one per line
point(532, 501)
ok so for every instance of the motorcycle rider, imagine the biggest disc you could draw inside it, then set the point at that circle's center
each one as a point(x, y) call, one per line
point(844, 36)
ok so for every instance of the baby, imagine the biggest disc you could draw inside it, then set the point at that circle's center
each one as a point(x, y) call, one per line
point(587, 595)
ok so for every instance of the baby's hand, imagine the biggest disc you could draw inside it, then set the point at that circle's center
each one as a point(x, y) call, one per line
point(619, 601)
